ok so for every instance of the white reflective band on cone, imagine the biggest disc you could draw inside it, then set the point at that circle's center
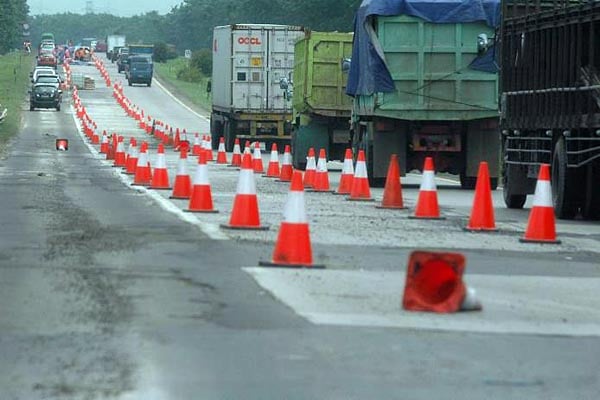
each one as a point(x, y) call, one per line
point(543, 194)
point(257, 155)
point(310, 163)
point(182, 167)
point(428, 181)
point(246, 183)
point(142, 159)
point(274, 156)
point(361, 170)
point(134, 152)
point(236, 149)
point(222, 147)
point(287, 159)
point(348, 168)
point(160, 161)
point(201, 175)
point(196, 140)
point(294, 211)
point(322, 165)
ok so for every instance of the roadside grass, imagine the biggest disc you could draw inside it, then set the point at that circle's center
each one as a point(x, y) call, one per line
point(195, 92)
point(14, 81)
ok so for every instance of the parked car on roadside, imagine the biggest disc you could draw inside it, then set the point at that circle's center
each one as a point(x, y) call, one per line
point(44, 95)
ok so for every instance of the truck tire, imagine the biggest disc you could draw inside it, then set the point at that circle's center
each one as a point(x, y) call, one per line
point(591, 208)
point(511, 199)
point(563, 180)
point(129, 82)
point(149, 83)
point(469, 182)
point(298, 160)
point(215, 129)
point(229, 128)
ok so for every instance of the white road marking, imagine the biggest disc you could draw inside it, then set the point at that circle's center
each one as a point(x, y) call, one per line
point(210, 230)
point(164, 89)
point(535, 305)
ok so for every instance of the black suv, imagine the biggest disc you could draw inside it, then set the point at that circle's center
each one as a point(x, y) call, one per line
point(45, 95)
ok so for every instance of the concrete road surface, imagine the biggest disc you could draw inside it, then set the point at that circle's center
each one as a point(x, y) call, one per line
point(114, 292)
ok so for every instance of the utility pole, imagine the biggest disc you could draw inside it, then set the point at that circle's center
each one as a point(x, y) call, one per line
point(89, 7)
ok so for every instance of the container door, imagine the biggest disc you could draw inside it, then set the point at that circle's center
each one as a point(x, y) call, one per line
point(249, 69)
point(281, 65)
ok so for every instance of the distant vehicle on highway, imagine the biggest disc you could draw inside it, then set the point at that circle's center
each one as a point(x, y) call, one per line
point(139, 69)
point(47, 58)
point(122, 59)
point(41, 71)
point(49, 79)
point(44, 95)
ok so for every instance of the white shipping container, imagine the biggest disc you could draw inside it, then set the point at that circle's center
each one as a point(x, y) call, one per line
point(248, 63)
point(113, 41)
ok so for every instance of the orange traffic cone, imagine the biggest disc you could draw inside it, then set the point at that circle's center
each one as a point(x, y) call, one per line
point(208, 148)
point(176, 139)
point(236, 158)
point(360, 183)
point(201, 198)
point(311, 169)
point(120, 153)
point(321, 183)
point(244, 214)
point(95, 137)
point(286, 165)
point(221, 154)
point(392, 193)
point(345, 186)
point(132, 157)
point(293, 248)
point(143, 171)
point(197, 147)
point(427, 203)
point(434, 284)
point(273, 167)
point(104, 144)
point(183, 184)
point(160, 178)
point(482, 214)
point(247, 148)
point(257, 162)
point(541, 225)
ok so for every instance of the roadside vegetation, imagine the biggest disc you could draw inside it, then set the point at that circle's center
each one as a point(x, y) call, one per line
point(189, 77)
point(14, 81)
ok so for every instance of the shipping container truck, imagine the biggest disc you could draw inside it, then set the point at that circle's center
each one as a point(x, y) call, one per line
point(321, 108)
point(249, 62)
point(550, 102)
point(113, 41)
point(425, 83)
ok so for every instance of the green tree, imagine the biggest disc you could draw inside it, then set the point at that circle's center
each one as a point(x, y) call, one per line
point(13, 13)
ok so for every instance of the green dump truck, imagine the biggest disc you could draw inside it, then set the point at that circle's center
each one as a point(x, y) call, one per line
point(321, 108)
point(425, 83)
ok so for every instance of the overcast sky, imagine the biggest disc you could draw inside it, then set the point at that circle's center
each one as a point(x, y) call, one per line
point(116, 7)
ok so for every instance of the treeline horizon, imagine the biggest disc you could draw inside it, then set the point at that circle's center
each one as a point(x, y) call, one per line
point(190, 25)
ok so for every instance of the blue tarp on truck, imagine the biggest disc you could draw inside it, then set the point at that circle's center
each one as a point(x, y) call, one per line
point(368, 72)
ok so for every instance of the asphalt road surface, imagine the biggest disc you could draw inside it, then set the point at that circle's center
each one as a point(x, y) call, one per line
point(113, 292)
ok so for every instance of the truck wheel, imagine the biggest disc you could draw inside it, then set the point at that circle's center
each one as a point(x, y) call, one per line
point(229, 135)
point(31, 107)
point(563, 180)
point(58, 107)
point(129, 82)
point(149, 83)
point(591, 208)
point(467, 182)
point(215, 129)
point(298, 160)
point(511, 199)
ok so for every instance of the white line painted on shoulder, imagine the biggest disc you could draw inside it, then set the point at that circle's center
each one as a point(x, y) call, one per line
point(164, 89)
point(210, 230)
